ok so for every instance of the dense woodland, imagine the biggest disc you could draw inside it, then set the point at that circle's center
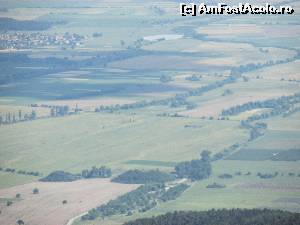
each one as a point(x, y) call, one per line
point(223, 217)
point(142, 199)
point(143, 177)
point(154, 189)
point(197, 169)
point(174, 192)
point(60, 176)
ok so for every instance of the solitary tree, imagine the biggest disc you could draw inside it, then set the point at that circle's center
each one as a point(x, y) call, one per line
point(33, 115)
point(20, 115)
point(35, 191)
point(18, 195)
point(8, 203)
point(20, 222)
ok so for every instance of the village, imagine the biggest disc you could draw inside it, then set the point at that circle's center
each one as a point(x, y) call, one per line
point(22, 40)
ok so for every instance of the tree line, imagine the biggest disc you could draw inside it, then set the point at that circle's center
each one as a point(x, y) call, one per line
point(196, 169)
point(55, 111)
point(256, 130)
point(223, 217)
point(282, 105)
point(262, 175)
point(143, 177)
point(22, 172)
point(9, 118)
point(181, 99)
point(176, 101)
point(62, 176)
point(154, 189)
point(142, 199)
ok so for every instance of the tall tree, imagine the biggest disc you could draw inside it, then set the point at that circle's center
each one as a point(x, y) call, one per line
point(205, 155)
point(20, 115)
point(20, 222)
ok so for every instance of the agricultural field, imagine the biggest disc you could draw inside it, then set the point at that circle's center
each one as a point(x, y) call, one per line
point(80, 196)
point(111, 140)
point(287, 72)
point(132, 85)
point(212, 103)
point(281, 136)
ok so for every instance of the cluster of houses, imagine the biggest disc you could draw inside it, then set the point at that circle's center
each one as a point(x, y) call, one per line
point(21, 40)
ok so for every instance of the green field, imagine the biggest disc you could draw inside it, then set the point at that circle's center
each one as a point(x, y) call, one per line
point(79, 142)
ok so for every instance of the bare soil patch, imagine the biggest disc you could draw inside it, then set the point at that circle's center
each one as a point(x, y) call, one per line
point(46, 208)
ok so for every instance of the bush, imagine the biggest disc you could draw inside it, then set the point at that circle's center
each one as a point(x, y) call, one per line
point(215, 185)
point(9, 203)
point(165, 78)
point(193, 78)
point(225, 176)
point(35, 191)
point(20, 222)
point(267, 175)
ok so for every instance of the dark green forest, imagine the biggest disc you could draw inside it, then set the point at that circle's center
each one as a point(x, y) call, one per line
point(224, 217)
point(143, 177)
point(142, 199)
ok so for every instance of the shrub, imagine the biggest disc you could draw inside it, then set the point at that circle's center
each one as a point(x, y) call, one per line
point(215, 185)
point(225, 176)
point(35, 191)
point(9, 203)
